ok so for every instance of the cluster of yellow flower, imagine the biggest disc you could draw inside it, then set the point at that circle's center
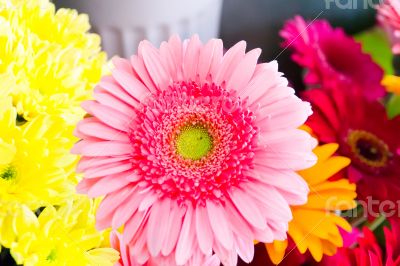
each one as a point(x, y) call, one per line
point(48, 64)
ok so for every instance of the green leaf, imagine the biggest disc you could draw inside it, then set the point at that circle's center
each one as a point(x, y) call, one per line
point(375, 43)
point(393, 106)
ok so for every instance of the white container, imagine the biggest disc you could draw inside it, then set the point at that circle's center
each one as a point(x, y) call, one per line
point(122, 24)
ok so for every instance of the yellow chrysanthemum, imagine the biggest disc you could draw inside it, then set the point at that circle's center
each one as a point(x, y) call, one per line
point(53, 58)
point(35, 164)
point(14, 217)
point(64, 236)
point(392, 84)
point(49, 63)
point(315, 225)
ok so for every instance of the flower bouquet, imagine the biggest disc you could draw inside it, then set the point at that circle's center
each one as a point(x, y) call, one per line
point(192, 154)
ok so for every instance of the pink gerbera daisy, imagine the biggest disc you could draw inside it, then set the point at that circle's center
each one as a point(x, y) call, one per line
point(331, 57)
point(389, 17)
point(195, 151)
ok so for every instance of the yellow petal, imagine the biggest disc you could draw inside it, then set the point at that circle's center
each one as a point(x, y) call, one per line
point(103, 257)
point(325, 151)
point(7, 152)
point(343, 184)
point(298, 236)
point(323, 170)
point(392, 84)
point(341, 222)
point(306, 129)
point(315, 247)
point(330, 201)
point(317, 223)
point(276, 250)
point(7, 235)
point(329, 248)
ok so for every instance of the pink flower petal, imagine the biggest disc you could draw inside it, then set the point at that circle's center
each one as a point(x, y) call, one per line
point(295, 160)
point(184, 247)
point(157, 231)
point(244, 71)
point(133, 225)
point(245, 248)
point(126, 210)
point(174, 228)
point(249, 211)
point(148, 201)
point(167, 58)
point(227, 257)
point(101, 148)
point(109, 100)
point(108, 206)
point(107, 185)
point(154, 65)
point(108, 115)
point(87, 163)
point(212, 261)
point(138, 250)
point(203, 230)
point(122, 63)
point(191, 58)
point(93, 128)
point(110, 85)
point(109, 169)
point(176, 48)
point(239, 225)
point(220, 224)
point(271, 199)
point(141, 71)
point(290, 184)
point(229, 61)
point(290, 113)
point(212, 52)
point(133, 86)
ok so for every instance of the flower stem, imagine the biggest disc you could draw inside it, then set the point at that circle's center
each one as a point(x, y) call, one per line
point(378, 221)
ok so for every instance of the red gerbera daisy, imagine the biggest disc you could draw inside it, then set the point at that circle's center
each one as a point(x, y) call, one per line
point(368, 252)
point(331, 57)
point(365, 134)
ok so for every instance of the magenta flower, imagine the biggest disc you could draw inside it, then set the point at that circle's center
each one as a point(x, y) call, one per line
point(195, 151)
point(331, 57)
point(389, 17)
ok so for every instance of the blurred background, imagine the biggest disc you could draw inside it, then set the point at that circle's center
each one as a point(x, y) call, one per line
point(124, 23)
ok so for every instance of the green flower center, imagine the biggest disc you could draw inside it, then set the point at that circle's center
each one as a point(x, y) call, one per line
point(52, 255)
point(194, 142)
point(8, 173)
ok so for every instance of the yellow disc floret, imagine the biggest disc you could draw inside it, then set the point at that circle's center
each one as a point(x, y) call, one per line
point(194, 142)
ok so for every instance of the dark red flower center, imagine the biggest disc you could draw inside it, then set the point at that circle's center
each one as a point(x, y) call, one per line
point(368, 148)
